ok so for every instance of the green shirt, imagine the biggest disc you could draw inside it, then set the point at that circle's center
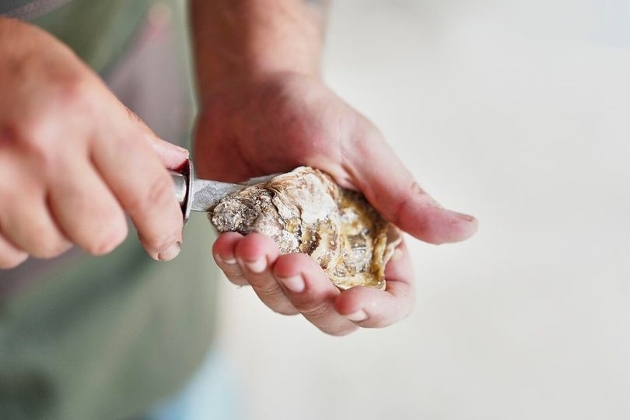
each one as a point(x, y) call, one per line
point(103, 337)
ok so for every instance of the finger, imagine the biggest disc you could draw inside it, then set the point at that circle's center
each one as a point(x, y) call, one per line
point(28, 226)
point(86, 210)
point(138, 179)
point(311, 292)
point(223, 252)
point(171, 155)
point(10, 256)
point(255, 254)
point(374, 308)
point(400, 199)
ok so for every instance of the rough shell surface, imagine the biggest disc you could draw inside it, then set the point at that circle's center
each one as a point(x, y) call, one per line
point(306, 211)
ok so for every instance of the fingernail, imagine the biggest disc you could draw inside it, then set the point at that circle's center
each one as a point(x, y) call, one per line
point(170, 253)
point(257, 266)
point(462, 216)
point(229, 261)
point(357, 316)
point(295, 284)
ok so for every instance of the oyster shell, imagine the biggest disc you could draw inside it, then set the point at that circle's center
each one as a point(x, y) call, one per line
point(306, 211)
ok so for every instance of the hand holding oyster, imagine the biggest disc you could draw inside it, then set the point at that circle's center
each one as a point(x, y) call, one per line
point(306, 211)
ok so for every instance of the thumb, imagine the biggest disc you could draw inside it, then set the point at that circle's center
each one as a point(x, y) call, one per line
point(171, 155)
point(391, 189)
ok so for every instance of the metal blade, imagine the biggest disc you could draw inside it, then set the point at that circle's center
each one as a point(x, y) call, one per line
point(194, 194)
point(207, 194)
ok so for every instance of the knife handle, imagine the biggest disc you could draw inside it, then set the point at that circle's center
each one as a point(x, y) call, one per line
point(182, 184)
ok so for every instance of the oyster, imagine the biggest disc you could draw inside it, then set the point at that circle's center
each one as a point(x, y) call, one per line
point(306, 211)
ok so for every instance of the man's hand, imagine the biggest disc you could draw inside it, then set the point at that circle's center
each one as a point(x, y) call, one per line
point(73, 159)
point(264, 109)
point(287, 120)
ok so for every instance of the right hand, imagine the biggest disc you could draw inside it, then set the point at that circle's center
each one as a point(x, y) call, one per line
point(74, 160)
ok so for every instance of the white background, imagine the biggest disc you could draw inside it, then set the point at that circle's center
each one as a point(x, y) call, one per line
point(519, 113)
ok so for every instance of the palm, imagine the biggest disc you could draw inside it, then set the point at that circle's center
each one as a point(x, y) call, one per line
point(273, 126)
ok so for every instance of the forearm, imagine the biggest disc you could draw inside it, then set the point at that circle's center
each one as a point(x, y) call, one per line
point(238, 40)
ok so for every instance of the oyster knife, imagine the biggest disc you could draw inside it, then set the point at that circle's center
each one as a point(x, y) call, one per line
point(194, 194)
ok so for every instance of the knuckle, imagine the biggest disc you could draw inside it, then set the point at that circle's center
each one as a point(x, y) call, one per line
point(314, 311)
point(269, 290)
point(235, 275)
point(25, 132)
point(70, 89)
point(39, 238)
point(36, 131)
point(33, 234)
point(31, 136)
point(285, 309)
point(105, 242)
point(46, 245)
point(49, 248)
point(399, 208)
point(273, 296)
point(158, 194)
point(10, 132)
point(74, 93)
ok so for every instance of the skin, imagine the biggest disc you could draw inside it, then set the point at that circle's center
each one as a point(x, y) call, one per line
point(74, 160)
point(265, 109)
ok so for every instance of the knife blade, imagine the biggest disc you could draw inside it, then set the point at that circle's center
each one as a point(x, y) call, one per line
point(194, 194)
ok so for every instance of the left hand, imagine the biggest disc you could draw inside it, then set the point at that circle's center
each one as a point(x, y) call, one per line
point(287, 120)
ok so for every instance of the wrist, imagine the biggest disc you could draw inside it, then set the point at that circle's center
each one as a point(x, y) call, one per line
point(247, 41)
point(260, 69)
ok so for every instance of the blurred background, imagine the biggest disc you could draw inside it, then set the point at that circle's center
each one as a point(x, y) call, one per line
point(516, 112)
